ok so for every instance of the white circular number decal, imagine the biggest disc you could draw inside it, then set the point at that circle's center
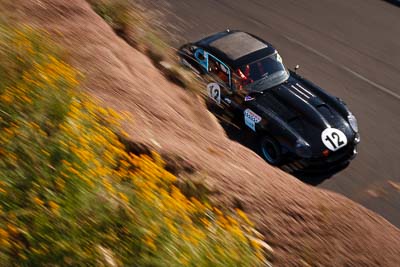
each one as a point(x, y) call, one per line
point(333, 139)
point(214, 91)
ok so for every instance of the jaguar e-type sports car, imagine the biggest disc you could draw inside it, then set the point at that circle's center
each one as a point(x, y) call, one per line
point(300, 127)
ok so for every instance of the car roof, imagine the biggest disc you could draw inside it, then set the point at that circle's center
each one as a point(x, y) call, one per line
point(236, 48)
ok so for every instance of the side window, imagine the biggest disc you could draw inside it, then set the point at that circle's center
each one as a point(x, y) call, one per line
point(236, 82)
point(201, 57)
point(219, 69)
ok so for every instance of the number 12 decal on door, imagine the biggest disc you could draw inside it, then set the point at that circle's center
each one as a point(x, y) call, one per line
point(333, 139)
point(214, 92)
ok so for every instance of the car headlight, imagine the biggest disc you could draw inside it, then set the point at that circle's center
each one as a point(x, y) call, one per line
point(357, 138)
point(353, 122)
point(303, 149)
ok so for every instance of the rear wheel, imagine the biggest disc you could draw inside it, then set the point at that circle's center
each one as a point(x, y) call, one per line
point(270, 150)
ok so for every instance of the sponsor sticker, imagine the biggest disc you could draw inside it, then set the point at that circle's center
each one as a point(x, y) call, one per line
point(333, 138)
point(248, 98)
point(251, 118)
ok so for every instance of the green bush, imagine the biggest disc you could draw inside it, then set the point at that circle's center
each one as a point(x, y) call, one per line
point(71, 195)
point(115, 12)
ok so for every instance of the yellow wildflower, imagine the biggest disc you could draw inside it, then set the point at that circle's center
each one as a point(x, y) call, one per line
point(60, 183)
point(3, 234)
point(123, 197)
point(171, 226)
point(38, 201)
point(6, 98)
point(12, 229)
point(47, 154)
point(184, 260)
point(108, 186)
point(150, 243)
point(26, 99)
point(243, 216)
point(54, 206)
point(206, 222)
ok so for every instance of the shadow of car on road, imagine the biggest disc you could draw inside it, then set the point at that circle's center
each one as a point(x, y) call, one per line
point(394, 2)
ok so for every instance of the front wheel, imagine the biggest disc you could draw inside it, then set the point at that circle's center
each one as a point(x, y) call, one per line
point(270, 150)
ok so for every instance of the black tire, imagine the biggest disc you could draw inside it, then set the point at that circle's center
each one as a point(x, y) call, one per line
point(270, 150)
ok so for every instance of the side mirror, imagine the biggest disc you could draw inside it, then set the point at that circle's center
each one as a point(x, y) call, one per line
point(296, 68)
point(192, 47)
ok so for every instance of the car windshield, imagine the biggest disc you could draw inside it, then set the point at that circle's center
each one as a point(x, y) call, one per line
point(263, 73)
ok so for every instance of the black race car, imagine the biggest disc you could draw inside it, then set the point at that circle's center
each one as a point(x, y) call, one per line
point(300, 126)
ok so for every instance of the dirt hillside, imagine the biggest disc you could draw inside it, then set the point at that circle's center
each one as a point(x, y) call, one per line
point(304, 225)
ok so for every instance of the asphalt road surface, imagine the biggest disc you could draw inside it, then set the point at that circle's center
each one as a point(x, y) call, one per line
point(349, 47)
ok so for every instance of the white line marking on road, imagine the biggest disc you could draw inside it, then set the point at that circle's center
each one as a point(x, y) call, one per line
point(327, 58)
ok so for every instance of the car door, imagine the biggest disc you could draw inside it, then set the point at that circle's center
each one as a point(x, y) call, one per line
point(244, 104)
point(223, 84)
point(218, 79)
